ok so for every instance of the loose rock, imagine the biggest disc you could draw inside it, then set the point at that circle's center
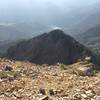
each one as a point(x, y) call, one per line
point(42, 91)
point(44, 98)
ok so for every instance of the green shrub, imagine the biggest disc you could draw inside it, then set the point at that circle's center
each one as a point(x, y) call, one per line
point(6, 74)
point(63, 67)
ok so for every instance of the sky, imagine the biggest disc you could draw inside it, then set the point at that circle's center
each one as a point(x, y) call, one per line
point(4, 4)
point(39, 2)
point(17, 9)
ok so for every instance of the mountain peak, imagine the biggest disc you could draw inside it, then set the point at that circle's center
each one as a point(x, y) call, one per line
point(50, 48)
point(56, 31)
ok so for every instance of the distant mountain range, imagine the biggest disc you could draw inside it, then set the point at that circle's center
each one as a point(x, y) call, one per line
point(16, 31)
point(91, 38)
point(92, 20)
point(77, 19)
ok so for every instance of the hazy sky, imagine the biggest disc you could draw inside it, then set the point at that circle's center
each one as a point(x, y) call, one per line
point(15, 4)
point(26, 3)
point(12, 9)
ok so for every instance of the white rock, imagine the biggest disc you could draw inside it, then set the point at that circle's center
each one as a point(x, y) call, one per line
point(84, 95)
point(88, 58)
point(1, 80)
point(44, 98)
point(85, 71)
point(89, 91)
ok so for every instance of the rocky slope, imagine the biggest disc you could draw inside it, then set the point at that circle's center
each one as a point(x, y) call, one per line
point(27, 81)
point(50, 48)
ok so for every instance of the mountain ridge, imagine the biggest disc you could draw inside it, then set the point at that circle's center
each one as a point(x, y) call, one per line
point(91, 38)
point(49, 48)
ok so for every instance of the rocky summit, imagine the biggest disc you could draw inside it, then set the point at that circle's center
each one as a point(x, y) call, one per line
point(49, 48)
point(28, 81)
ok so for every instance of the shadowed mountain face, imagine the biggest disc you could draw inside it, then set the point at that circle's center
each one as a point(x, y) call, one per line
point(91, 38)
point(49, 48)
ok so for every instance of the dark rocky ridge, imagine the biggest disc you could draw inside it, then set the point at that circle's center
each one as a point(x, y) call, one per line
point(49, 48)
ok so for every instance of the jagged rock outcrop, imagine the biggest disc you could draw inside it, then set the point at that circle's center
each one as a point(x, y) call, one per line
point(49, 48)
